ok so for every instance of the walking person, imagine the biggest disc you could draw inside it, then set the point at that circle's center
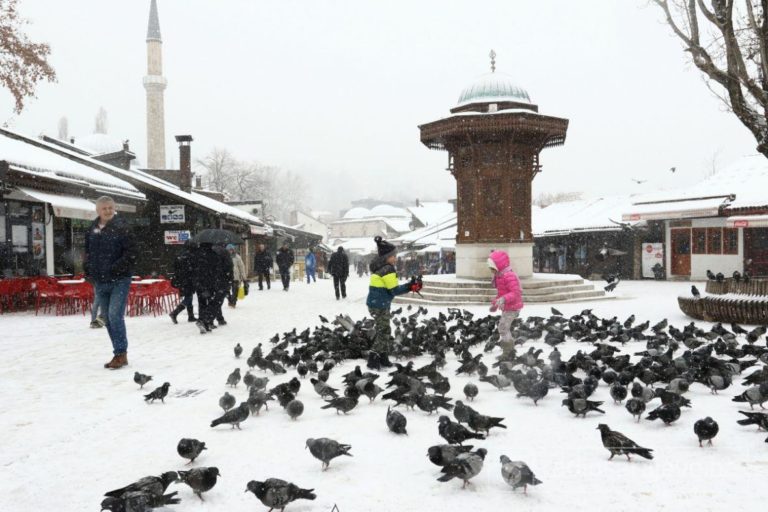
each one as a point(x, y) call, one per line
point(382, 289)
point(213, 277)
point(338, 267)
point(238, 274)
point(97, 320)
point(509, 296)
point(184, 280)
point(262, 266)
point(110, 255)
point(284, 263)
point(310, 265)
point(226, 272)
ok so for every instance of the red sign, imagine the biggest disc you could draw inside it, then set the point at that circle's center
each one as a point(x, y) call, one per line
point(634, 216)
point(741, 223)
point(649, 248)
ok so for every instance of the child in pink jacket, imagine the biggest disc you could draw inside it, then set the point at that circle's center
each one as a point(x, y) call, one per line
point(509, 296)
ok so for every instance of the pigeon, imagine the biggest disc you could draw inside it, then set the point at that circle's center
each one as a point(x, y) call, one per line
point(257, 400)
point(755, 418)
point(227, 401)
point(555, 312)
point(238, 350)
point(517, 474)
point(275, 493)
point(636, 408)
point(536, 392)
point(580, 406)
point(706, 430)
point(323, 319)
point(249, 379)
point(234, 378)
point(200, 479)
point(470, 391)
point(498, 381)
point(695, 291)
point(619, 444)
point(294, 409)
point(138, 501)
point(141, 379)
point(323, 389)
point(668, 413)
point(153, 485)
point(719, 277)
point(710, 275)
point(343, 404)
point(618, 393)
point(753, 395)
point(234, 417)
point(158, 394)
point(455, 433)
point(325, 450)
point(465, 466)
point(396, 422)
point(302, 370)
point(482, 423)
point(442, 454)
point(190, 449)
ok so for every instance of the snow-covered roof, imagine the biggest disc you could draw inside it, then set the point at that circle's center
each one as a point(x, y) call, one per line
point(37, 158)
point(357, 213)
point(99, 143)
point(493, 87)
point(89, 167)
point(582, 215)
point(689, 209)
point(358, 245)
point(386, 210)
point(441, 232)
point(430, 212)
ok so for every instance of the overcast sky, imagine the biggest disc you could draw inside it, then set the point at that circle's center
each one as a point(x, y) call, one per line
point(335, 90)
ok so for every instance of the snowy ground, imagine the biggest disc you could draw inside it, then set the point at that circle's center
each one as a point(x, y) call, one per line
point(72, 430)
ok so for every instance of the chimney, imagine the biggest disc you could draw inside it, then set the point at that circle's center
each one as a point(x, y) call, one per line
point(198, 182)
point(417, 202)
point(185, 162)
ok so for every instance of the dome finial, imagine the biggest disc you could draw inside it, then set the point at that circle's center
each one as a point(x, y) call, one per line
point(492, 55)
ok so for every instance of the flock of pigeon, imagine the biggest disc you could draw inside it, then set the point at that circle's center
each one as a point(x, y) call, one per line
point(655, 380)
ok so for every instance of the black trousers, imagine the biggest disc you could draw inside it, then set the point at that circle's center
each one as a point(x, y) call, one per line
point(266, 277)
point(232, 295)
point(206, 306)
point(285, 276)
point(340, 282)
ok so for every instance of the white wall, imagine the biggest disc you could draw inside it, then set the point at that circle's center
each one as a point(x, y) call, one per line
point(311, 224)
point(700, 263)
point(362, 228)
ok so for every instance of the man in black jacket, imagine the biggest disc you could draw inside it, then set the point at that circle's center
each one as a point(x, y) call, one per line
point(184, 280)
point(284, 263)
point(110, 254)
point(338, 267)
point(213, 277)
point(262, 266)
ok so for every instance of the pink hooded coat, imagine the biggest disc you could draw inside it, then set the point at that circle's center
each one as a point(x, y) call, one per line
point(506, 282)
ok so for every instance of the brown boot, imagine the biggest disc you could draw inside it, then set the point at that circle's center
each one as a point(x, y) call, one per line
point(118, 361)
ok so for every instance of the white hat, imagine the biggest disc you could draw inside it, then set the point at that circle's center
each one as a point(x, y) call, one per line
point(492, 264)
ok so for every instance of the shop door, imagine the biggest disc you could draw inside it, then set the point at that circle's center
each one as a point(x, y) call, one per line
point(681, 252)
point(756, 251)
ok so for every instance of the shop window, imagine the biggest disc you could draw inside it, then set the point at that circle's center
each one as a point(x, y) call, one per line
point(714, 240)
point(699, 241)
point(730, 241)
point(580, 255)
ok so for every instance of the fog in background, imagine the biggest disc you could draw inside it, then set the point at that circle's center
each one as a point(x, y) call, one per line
point(336, 90)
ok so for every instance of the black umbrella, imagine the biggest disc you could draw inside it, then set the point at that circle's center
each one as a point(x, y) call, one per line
point(217, 236)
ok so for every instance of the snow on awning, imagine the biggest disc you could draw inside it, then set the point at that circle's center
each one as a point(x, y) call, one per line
point(747, 221)
point(258, 230)
point(689, 209)
point(69, 207)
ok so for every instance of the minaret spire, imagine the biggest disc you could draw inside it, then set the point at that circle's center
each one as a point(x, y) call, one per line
point(154, 84)
point(492, 55)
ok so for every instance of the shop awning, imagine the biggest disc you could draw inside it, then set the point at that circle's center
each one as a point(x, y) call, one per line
point(69, 207)
point(747, 221)
point(258, 230)
point(709, 207)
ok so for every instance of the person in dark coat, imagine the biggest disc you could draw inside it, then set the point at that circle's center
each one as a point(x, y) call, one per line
point(262, 266)
point(184, 280)
point(338, 267)
point(110, 255)
point(213, 276)
point(285, 261)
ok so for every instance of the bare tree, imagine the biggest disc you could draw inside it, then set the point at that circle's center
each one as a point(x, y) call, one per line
point(712, 164)
point(218, 167)
point(544, 199)
point(22, 63)
point(728, 42)
point(100, 123)
point(64, 128)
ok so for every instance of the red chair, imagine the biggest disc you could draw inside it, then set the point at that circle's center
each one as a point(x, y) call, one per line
point(48, 294)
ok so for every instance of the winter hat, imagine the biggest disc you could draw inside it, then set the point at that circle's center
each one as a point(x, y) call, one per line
point(230, 247)
point(492, 264)
point(340, 249)
point(385, 248)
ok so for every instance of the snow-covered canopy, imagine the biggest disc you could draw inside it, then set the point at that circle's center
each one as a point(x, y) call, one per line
point(428, 213)
point(357, 213)
point(99, 143)
point(38, 158)
point(582, 215)
point(493, 87)
point(386, 210)
point(441, 233)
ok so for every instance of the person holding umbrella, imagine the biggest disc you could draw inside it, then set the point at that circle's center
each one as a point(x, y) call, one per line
point(213, 275)
point(338, 267)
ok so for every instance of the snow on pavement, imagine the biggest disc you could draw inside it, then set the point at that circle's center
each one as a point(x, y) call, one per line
point(73, 430)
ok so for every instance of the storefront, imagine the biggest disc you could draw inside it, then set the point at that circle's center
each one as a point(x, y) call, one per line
point(22, 238)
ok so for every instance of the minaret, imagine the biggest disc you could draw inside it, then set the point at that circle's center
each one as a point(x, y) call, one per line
point(155, 84)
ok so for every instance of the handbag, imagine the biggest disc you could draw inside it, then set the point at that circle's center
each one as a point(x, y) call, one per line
point(241, 292)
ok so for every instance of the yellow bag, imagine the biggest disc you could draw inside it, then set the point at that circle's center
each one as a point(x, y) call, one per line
point(241, 292)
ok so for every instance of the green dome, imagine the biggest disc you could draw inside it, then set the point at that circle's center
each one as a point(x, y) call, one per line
point(493, 88)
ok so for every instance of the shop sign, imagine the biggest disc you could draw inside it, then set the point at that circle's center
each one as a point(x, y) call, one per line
point(177, 237)
point(173, 213)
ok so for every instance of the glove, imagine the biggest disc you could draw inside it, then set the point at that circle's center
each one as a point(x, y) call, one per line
point(416, 284)
point(498, 304)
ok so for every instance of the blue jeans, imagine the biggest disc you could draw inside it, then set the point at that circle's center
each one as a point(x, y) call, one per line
point(113, 297)
point(310, 272)
point(95, 307)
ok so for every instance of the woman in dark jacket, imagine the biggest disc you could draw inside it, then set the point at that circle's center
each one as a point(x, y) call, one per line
point(184, 280)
